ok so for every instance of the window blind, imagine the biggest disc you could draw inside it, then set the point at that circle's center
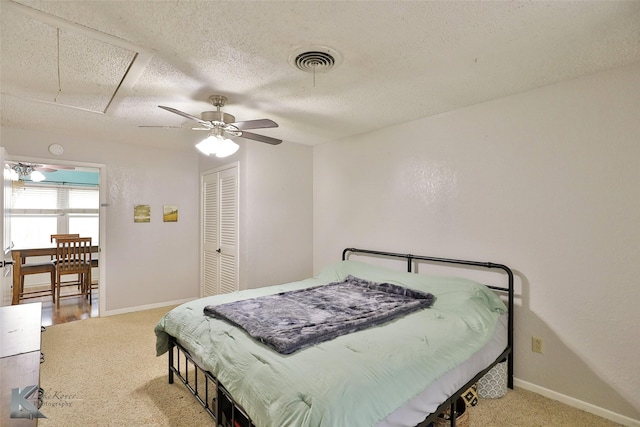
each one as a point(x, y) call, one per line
point(33, 199)
point(39, 210)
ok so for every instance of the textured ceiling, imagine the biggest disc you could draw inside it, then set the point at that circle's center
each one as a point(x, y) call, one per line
point(102, 67)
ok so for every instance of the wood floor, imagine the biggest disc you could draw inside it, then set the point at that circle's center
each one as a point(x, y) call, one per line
point(71, 308)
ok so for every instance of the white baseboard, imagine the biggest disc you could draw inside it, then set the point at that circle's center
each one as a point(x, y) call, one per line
point(144, 307)
point(579, 404)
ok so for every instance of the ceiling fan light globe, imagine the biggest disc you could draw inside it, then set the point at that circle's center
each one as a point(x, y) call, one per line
point(227, 148)
point(209, 145)
point(37, 176)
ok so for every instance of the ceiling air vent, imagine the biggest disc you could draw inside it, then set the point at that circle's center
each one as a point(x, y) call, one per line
point(314, 59)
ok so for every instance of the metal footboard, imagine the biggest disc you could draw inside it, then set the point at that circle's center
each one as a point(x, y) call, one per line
point(205, 387)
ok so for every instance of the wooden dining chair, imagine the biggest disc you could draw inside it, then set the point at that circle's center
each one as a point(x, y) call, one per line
point(40, 268)
point(73, 256)
point(54, 237)
point(37, 268)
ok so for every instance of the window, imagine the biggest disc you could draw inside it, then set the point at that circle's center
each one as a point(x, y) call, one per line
point(38, 211)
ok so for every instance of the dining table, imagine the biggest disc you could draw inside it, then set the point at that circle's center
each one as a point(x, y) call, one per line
point(20, 255)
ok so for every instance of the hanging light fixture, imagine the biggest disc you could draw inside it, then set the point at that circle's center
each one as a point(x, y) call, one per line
point(209, 145)
point(23, 169)
point(227, 148)
point(217, 144)
point(37, 176)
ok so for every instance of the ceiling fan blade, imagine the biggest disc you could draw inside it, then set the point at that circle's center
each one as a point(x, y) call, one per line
point(45, 169)
point(260, 138)
point(255, 124)
point(58, 167)
point(183, 114)
point(161, 127)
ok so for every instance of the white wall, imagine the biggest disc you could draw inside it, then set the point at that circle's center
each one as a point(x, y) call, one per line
point(279, 205)
point(276, 211)
point(547, 182)
point(146, 263)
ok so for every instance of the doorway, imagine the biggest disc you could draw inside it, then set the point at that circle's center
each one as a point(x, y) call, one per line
point(66, 198)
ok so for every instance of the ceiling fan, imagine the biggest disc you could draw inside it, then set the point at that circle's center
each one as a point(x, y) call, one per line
point(221, 126)
point(33, 170)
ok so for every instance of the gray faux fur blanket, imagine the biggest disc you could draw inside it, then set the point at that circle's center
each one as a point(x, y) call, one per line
point(290, 321)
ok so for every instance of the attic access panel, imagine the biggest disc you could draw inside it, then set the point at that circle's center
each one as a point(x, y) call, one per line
point(56, 64)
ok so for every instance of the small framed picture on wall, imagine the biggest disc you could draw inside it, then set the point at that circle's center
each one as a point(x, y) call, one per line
point(170, 213)
point(142, 213)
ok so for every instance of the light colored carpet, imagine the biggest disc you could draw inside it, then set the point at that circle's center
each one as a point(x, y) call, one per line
point(520, 407)
point(104, 372)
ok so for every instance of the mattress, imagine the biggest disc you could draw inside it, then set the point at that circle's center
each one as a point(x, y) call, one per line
point(417, 409)
point(389, 375)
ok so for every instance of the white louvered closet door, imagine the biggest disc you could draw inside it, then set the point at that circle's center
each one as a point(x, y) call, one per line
point(220, 232)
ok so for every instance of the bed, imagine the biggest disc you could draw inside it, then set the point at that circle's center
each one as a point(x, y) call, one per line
point(399, 373)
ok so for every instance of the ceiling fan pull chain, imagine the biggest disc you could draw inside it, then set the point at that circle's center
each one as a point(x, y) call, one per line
point(315, 64)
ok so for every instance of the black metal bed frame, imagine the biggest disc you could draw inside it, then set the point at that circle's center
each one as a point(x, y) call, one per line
point(205, 387)
point(221, 406)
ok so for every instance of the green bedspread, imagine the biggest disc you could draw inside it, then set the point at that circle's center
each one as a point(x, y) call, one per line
point(353, 380)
